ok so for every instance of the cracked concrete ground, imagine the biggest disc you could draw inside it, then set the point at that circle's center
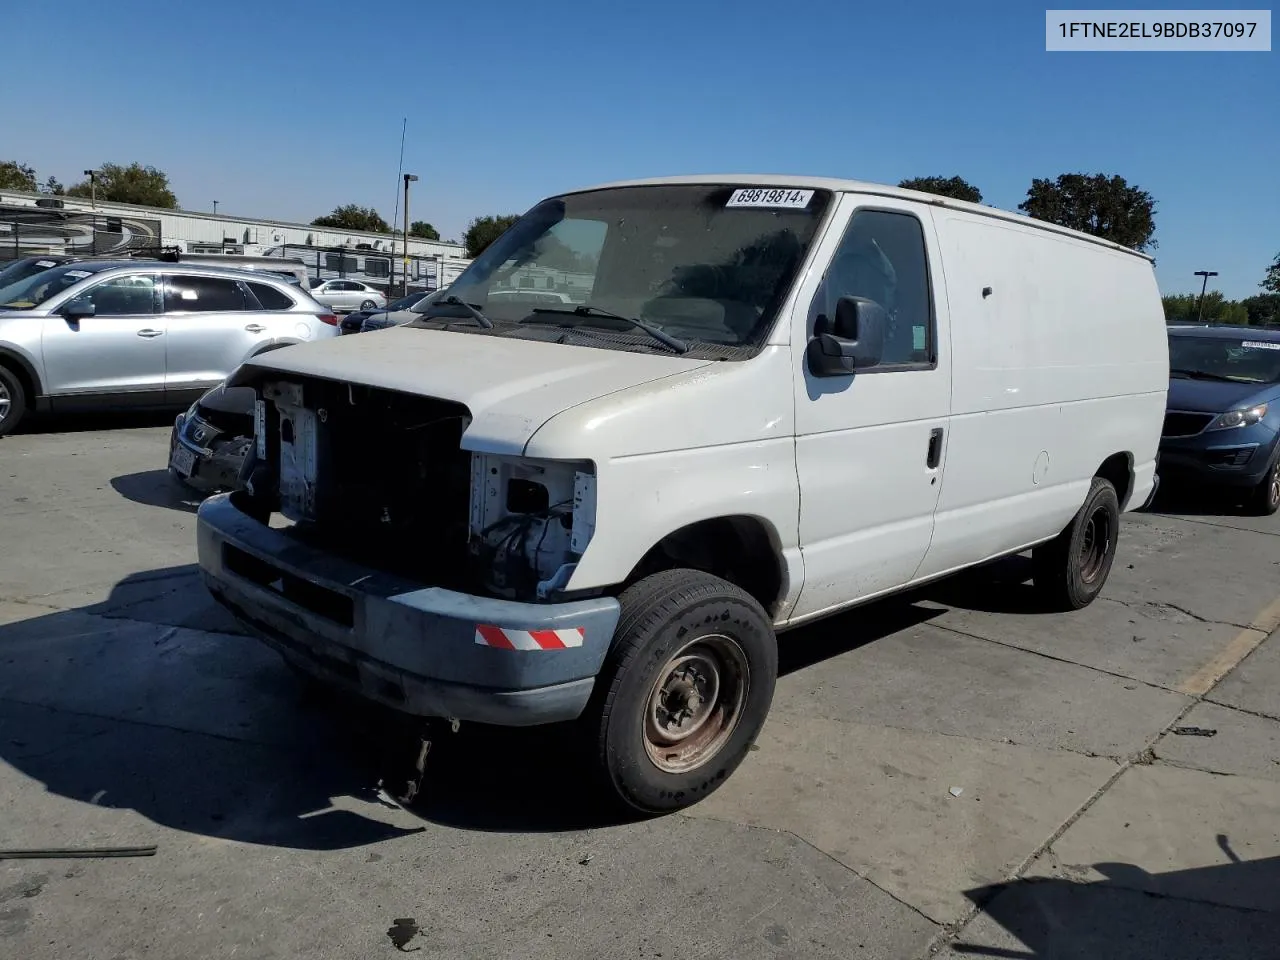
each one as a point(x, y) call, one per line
point(950, 772)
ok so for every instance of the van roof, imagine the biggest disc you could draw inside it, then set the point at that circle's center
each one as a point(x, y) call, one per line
point(866, 187)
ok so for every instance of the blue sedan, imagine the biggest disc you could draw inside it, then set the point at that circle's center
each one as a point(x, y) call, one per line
point(1222, 425)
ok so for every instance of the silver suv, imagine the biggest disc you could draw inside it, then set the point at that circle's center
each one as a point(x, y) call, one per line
point(111, 333)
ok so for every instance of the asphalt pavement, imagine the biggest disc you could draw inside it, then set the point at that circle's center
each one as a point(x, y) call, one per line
point(951, 772)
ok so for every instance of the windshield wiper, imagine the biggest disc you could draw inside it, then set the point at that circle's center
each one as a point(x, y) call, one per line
point(459, 302)
point(1202, 375)
point(586, 310)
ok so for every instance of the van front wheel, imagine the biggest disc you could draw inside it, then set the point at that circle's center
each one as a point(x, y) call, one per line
point(1071, 569)
point(685, 690)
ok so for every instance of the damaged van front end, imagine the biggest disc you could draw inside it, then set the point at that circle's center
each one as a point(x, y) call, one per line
point(402, 566)
point(394, 544)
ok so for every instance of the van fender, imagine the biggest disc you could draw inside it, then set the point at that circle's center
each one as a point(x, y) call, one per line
point(643, 500)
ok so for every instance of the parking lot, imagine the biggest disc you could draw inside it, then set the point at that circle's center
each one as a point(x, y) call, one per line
point(950, 771)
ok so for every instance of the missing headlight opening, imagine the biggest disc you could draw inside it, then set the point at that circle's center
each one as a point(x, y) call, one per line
point(382, 479)
point(530, 521)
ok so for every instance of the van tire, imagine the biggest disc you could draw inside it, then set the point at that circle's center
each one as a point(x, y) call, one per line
point(711, 647)
point(12, 411)
point(1264, 499)
point(1071, 570)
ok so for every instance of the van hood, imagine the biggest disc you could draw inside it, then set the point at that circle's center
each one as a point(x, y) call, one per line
point(1216, 396)
point(511, 386)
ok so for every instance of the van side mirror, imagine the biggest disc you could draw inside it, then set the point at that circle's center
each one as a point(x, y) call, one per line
point(855, 339)
point(79, 308)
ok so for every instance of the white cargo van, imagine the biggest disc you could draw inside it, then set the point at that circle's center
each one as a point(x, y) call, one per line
point(766, 400)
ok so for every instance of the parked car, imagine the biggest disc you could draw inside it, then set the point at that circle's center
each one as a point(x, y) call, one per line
point(110, 333)
point(1222, 427)
point(380, 320)
point(784, 398)
point(352, 321)
point(211, 438)
point(347, 295)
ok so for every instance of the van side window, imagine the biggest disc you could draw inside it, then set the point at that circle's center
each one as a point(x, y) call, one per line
point(882, 258)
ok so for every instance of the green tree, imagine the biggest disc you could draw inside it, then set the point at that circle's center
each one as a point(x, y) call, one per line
point(1233, 311)
point(423, 230)
point(1263, 308)
point(482, 231)
point(17, 176)
point(353, 217)
point(955, 187)
point(144, 186)
point(1185, 308)
point(52, 187)
point(1105, 206)
point(1271, 281)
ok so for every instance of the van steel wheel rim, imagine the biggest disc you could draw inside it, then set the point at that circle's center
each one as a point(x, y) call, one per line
point(696, 703)
point(1095, 544)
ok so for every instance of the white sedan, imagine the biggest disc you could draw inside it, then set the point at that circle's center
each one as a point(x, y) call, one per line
point(348, 295)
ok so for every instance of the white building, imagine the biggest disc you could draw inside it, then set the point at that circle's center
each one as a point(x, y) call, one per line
point(35, 223)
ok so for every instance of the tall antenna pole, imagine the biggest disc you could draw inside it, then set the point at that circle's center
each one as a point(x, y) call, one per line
point(395, 217)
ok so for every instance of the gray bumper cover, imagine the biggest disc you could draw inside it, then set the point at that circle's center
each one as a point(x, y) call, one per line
point(396, 642)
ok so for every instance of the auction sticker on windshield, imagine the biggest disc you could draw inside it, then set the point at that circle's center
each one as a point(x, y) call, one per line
point(1260, 345)
point(770, 197)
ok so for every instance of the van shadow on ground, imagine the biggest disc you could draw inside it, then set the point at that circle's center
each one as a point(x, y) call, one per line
point(122, 704)
point(150, 702)
point(1229, 911)
point(157, 488)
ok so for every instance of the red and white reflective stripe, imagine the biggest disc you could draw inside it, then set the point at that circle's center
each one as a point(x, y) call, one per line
point(506, 639)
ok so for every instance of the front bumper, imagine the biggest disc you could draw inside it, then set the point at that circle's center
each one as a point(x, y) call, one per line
point(216, 462)
point(418, 649)
point(1233, 458)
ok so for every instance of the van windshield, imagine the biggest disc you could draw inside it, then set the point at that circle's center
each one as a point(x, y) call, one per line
point(706, 264)
point(1241, 359)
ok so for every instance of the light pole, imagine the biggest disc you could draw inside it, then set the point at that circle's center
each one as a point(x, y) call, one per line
point(93, 187)
point(215, 208)
point(1203, 286)
point(408, 178)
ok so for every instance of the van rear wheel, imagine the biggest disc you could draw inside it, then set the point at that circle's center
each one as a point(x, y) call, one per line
point(1071, 570)
point(685, 690)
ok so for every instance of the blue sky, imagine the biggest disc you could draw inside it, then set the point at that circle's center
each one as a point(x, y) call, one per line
point(287, 109)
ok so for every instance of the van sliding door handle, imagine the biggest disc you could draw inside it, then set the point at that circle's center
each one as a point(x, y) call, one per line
point(935, 449)
point(149, 333)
